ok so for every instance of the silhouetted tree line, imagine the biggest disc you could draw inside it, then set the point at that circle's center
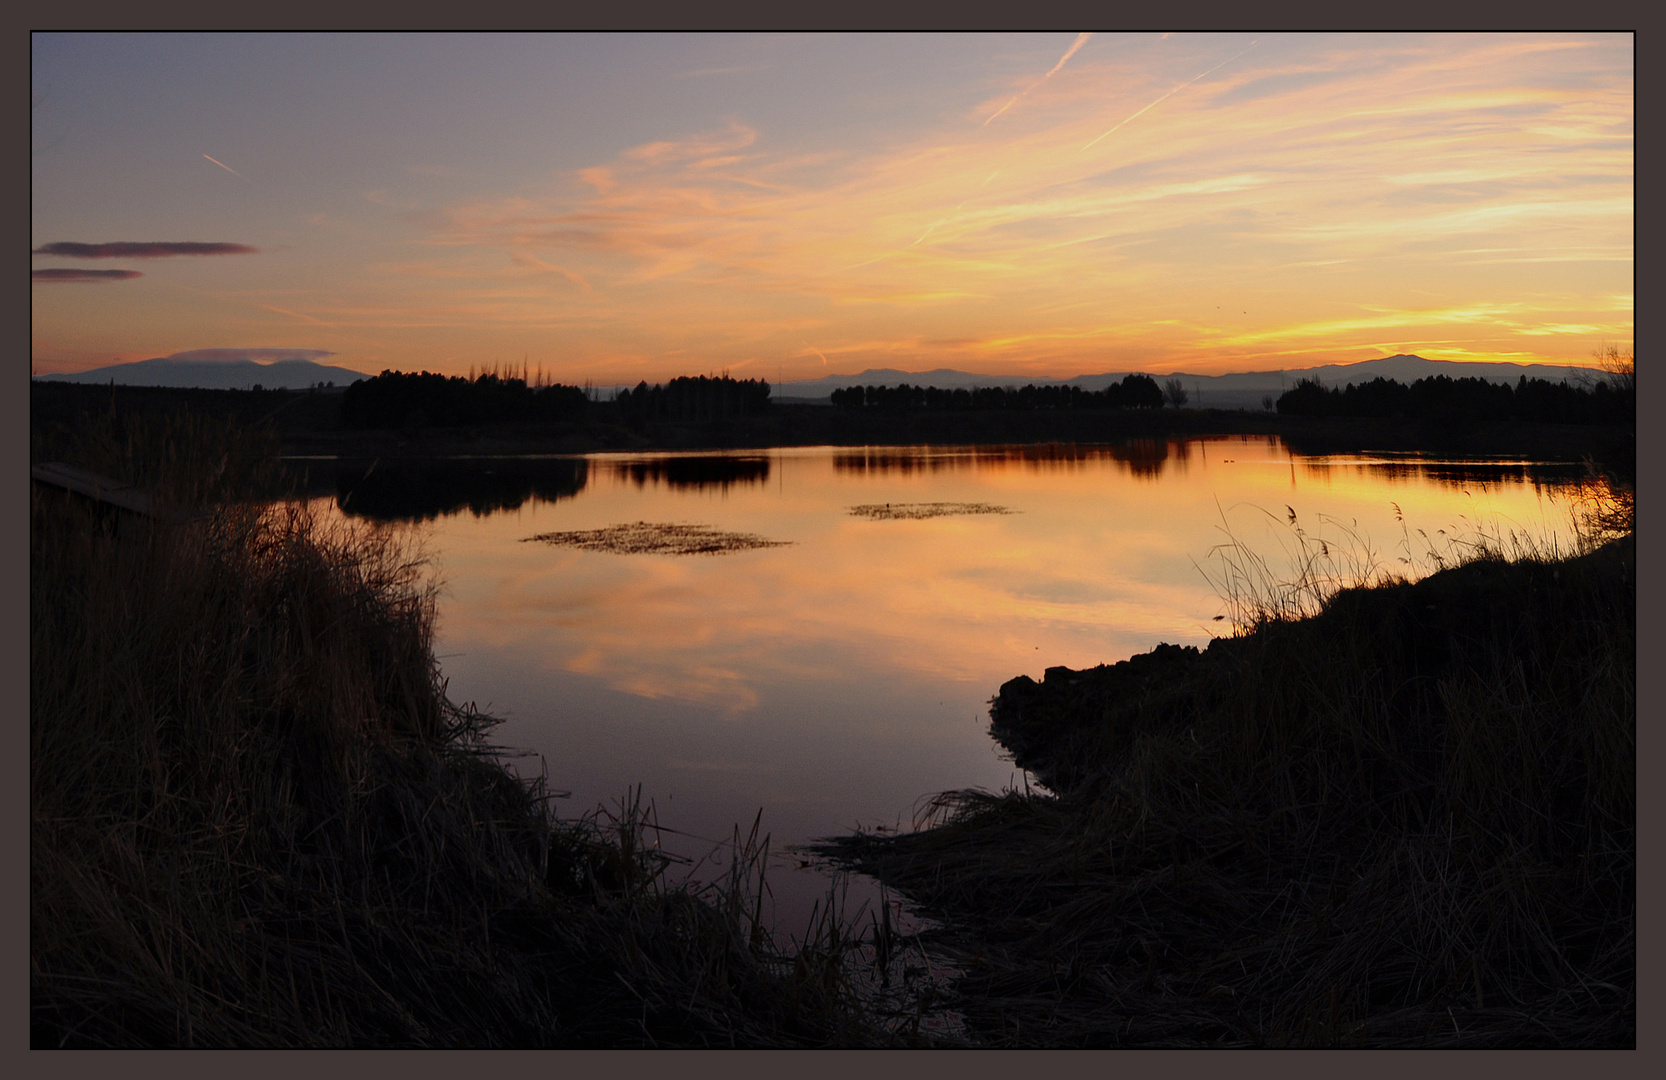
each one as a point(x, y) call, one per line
point(401, 399)
point(1441, 397)
point(696, 398)
point(1133, 392)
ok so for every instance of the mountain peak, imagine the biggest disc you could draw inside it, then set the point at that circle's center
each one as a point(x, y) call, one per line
point(183, 371)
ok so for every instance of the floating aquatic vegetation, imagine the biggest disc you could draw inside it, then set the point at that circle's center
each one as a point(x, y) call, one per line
point(651, 538)
point(915, 511)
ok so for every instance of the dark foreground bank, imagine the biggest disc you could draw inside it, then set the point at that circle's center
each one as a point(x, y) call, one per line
point(256, 820)
point(1407, 821)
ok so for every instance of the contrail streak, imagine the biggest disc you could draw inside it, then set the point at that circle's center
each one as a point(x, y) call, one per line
point(229, 169)
point(1176, 90)
point(1081, 39)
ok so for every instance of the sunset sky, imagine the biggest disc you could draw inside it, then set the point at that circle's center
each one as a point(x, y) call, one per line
point(623, 207)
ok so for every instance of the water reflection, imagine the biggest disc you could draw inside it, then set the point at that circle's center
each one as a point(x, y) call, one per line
point(692, 472)
point(836, 681)
point(413, 490)
point(1144, 458)
point(1459, 474)
point(430, 489)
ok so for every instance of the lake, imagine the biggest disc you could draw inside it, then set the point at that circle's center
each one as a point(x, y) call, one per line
point(840, 675)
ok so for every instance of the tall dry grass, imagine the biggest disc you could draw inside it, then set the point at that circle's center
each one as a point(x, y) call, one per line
point(256, 820)
point(1402, 817)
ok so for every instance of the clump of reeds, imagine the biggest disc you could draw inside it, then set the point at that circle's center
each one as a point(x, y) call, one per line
point(658, 538)
point(1604, 506)
point(257, 821)
point(921, 511)
point(1318, 565)
point(1406, 818)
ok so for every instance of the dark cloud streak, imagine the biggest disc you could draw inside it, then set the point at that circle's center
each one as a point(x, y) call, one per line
point(47, 277)
point(144, 249)
point(259, 355)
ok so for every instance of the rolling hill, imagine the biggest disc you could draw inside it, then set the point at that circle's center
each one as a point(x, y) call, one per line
point(1241, 390)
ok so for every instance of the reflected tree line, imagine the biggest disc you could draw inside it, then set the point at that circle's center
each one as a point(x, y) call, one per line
point(698, 473)
point(1467, 474)
point(1133, 392)
point(429, 488)
point(1144, 458)
point(425, 489)
point(1149, 458)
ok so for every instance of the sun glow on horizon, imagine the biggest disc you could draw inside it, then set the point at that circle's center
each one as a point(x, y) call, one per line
point(1200, 203)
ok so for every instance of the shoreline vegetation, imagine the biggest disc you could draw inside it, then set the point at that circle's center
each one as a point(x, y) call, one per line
point(921, 511)
point(646, 537)
point(1400, 814)
point(257, 820)
point(311, 424)
point(1404, 818)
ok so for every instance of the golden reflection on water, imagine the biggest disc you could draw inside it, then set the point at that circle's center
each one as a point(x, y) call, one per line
point(840, 678)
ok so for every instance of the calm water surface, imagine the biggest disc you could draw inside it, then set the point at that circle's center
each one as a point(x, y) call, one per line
point(837, 681)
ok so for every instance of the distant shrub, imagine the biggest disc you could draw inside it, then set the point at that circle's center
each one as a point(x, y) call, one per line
point(1442, 398)
point(697, 398)
point(1133, 392)
point(396, 399)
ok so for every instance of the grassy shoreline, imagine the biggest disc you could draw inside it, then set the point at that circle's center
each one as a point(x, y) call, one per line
point(256, 819)
point(1407, 820)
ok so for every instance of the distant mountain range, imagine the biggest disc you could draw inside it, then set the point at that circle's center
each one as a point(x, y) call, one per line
point(1243, 390)
point(238, 374)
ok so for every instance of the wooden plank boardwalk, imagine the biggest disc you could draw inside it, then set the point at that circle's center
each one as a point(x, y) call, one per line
point(116, 493)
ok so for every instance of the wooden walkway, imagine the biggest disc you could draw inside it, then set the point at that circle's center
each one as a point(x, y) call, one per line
point(110, 492)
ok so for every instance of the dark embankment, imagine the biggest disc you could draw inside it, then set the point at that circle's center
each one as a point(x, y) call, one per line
point(257, 821)
point(1406, 821)
point(311, 423)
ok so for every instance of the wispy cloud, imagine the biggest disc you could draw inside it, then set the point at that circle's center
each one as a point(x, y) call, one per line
point(1170, 94)
point(1320, 196)
point(298, 316)
point(734, 137)
point(521, 258)
point(261, 354)
point(51, 277)
point(229, 169)
point(143, 249)
point(1081, 39)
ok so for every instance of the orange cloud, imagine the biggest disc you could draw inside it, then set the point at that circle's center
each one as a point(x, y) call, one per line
point(1190, 203)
